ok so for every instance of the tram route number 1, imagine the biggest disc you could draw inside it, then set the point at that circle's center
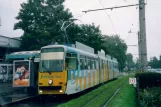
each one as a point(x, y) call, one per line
point(132, 80)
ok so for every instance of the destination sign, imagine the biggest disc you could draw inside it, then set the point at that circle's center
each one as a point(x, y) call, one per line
point(50, 76)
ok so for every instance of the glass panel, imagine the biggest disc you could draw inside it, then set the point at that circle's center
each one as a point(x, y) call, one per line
point(52, 60)
point(88, 63)
point(22, 70)
point(46, 50)
point(102, 65)
point(71, 61)
point(21, 73)
point(51, 65)
point(92, 62)
point(10, 70)
point(82, 64)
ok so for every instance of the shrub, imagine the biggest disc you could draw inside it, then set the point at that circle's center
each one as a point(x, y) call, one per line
point(150, 97)
point(148, 79)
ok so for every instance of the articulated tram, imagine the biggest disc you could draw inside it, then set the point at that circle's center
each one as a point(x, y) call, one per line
point(68, 70)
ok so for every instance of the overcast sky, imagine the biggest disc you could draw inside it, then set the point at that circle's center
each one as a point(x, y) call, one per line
point(120, 21)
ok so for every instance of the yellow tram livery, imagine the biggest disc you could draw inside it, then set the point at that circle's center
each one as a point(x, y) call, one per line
point(68, 70)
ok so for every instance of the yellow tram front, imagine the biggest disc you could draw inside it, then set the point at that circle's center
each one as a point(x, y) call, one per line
point(52, 74)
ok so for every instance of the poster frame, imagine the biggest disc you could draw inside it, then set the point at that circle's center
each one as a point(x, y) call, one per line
point(14, 72)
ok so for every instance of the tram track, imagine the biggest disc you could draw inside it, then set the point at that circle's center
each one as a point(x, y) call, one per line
point(94, 98)
point(112, 97)
point(108, 100)
point(117, 90)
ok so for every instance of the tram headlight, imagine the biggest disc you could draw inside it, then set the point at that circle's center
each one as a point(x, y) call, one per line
point(50, 82)
point(60, 91)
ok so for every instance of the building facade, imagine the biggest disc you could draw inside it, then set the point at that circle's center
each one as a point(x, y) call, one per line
point(8, 45)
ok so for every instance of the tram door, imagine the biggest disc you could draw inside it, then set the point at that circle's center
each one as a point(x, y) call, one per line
point(71, 63)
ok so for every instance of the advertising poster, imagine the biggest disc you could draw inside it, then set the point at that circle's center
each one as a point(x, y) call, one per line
point(21, 75)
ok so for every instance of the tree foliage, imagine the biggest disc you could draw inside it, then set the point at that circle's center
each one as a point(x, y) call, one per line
point(117, 48)
point(41, 21)
point(154, 62)
point(137, 63)
point(129, 60)
point(87, 34)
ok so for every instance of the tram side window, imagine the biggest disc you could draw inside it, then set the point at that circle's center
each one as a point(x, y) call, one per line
point(95, 67)
point(87, 63)
point(110, 65)
point(103, 67)
point(96, 63)
point(71, 61)
point(82, 63)
point(92, 64)
point(117, 66)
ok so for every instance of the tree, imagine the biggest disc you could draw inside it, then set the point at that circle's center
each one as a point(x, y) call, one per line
point(137, 63)
point(129, 60)
point(41, 21)
point(117, 48)
point(154, 62)
point(86, 34)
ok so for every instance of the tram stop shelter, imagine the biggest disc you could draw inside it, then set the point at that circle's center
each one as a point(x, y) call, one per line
point(6, 68)
point(8, 45)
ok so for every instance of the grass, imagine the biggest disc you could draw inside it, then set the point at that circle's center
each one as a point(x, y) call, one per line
point(124, 98)
point(101, 99)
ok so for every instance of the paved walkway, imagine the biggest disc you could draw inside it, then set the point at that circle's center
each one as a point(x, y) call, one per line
point(9, 94)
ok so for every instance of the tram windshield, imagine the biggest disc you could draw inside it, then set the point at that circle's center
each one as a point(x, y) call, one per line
point(52, 60)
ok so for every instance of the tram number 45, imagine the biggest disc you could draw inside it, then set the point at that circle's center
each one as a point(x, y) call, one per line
point(132, 80)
